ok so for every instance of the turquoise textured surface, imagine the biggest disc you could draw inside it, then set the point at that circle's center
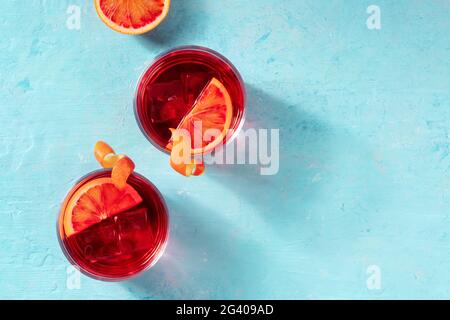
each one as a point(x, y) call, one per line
point(364, 119)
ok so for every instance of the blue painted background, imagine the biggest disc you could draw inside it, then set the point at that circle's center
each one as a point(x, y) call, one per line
point(364, 118)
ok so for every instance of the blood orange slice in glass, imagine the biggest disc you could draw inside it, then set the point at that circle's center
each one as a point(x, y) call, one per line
point(208, 121)
point(96, 201)
point(213, 109)
point(132, 16)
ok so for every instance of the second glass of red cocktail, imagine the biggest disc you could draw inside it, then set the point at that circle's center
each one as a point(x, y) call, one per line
point(113, 223)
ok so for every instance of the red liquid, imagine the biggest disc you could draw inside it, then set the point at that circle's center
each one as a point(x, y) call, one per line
point(169, 88)
point(125, 244)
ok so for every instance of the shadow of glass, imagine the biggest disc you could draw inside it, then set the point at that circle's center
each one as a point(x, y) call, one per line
point(305, 145)
point(325, 174)
point(202, 261)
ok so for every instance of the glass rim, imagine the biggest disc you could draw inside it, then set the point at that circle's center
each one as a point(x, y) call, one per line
point(149, 263)
point(193, 48)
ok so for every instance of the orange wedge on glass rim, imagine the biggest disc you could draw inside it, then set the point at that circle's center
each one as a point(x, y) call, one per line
point(213, 109)
point(132, 16)
point(104, 197)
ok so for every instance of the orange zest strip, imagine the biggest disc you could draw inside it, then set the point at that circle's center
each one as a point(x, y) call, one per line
point(194, 168)
point(110, 160)
point(122, 170)
point(181, 159)
point(121, 165)
point(101, 150)
point(199, 169)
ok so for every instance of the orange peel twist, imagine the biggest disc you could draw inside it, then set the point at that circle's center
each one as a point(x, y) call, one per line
point(122, 166)
point(181, 159)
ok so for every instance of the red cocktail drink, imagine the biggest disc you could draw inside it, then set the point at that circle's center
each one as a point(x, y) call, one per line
point(122, 244)
point(168, 90)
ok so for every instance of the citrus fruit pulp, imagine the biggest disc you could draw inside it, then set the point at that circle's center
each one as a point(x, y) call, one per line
point(213, 109)
point(132, 16)
point(96, 201)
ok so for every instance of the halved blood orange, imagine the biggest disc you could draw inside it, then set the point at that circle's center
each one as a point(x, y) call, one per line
point(132, 16)
point(214, 110)
point(96, 201)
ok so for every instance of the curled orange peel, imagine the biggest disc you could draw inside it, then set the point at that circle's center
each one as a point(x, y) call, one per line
point(121, 170)
point(122, 166)
point(182, 163)
point(194, 168)
point(101, 150)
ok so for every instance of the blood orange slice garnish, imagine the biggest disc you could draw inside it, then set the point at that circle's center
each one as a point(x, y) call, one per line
point(132, 16)
point(95, 201)
point(211, 113)
point(213, 109)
